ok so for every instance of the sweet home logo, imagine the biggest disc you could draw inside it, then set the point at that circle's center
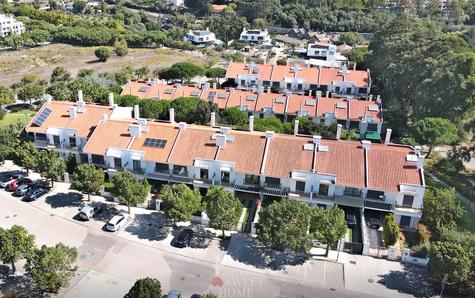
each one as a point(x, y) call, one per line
point(235, 286)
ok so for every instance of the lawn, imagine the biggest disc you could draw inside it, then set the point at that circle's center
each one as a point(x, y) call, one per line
point(12, 118)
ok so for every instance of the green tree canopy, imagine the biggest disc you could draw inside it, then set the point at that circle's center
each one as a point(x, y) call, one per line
point(102, 53)
point(351, 38)
point(30, 88)
point(10, 140)
point(228, 25)
point(185, 71)
point(441, 209)
point(180, 202)
point(434, 132)
point(79, 6)
point(50, 165)
point(15, 244)
point(215, 73)
point(283, 225)
point(145, 288)
point(129, 190)
point(390, 230)
point(51, 267)
point(451, 259)
point(88, 179)
point(222, 208)
point(328, 225)
point(6, 96)
point(25, 156)
point(60, 75)
point(233, 116)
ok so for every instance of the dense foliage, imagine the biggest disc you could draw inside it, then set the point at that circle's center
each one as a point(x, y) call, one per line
point(145, 288)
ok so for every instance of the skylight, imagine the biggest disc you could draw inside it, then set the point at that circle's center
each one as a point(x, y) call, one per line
point(169, 91)
point(143, 89)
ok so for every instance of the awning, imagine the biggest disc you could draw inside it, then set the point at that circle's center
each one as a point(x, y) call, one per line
point(373, 135)
point(225, 169)
point(378, 206)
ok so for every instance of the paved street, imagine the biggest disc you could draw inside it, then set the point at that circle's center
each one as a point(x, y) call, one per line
point(109, 263)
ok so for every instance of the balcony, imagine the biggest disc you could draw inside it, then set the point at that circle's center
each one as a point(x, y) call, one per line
point(203, 181)
point(275, 190)
point(254, 188)
point(224, 184)
point(138, 171)
point(41, 143)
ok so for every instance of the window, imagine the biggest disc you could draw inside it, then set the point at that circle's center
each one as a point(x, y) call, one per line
point(362, 90)
point(375, 195)
point(372, 127)
point(300, 186)
point(56, 140)
point(161, 168)
point(323, 88)
point(299, 87)
point(323, 190)
point(83, 158)
point(180, 170)
point(137, 166)
point(405, 221)
point(275, 84)
point(117, 163)
point(352, 191)
point(342, 122)
point(289, 85)
point(204, 173)
point(251, 179)
point(72, 142)
point(225, 177)
point(337, 89)
point(41, 137)
point(266, 83)
point(272, 182)
point(407, 201)
point(313, 87)
point(97, 159)
point(354, 125)
point(243, 82)
point(348, 90)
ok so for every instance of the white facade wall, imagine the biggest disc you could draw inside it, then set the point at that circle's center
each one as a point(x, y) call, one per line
point(8, 25)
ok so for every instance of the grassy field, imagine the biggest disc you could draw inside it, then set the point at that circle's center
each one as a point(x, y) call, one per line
point(12, 118)
point(41, 61)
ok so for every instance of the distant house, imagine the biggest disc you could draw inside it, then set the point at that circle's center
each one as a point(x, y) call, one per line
point(8, 25)
point(326, 51)
point(255, 36)
point(200, 37)
point(218, 9)
point(177, 2)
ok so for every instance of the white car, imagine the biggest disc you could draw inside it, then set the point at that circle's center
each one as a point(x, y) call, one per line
point(116, 222)
point(88, 211)
point(10, 179)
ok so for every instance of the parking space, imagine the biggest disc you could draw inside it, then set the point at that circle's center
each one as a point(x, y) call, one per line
point(374, 227)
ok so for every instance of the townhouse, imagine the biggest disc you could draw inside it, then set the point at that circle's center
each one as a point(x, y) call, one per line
point(320, 172)
point(365, 117)
point(8, 25)
point(326, 55)
point(338, 81)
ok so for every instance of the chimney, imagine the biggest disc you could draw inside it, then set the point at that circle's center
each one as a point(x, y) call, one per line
point(370, 97)
point(296, 127)
point(214, 85)
point(251, 123)
point(420, 162)
point(318, 94)
point(366, 144)
point(317, 140)
point(417, 150)
point(225, 130)
point(310, 93)
point(221, 140)
point(268, 89)
point(388, 136)
point(354, 66)
point(269, 134)
point(72, 112)
point(213, 119)
point(182, 125)
point(104, 117)
point(338, 131)
point(111, 99)
point(136, 112)
point(80, 97)
point(327, 94)
point(135, 130)
point(48, 100)
point(172, 115)
point(378, 98)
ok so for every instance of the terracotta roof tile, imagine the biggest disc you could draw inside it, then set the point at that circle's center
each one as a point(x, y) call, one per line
point(218, 96)
point(237, 68)
point(271, 100)
point(238, 97)
point(301, 102)
point(110, 134)
point(194, 142)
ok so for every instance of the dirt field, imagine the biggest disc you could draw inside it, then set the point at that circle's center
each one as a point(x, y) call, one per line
point(42, 60)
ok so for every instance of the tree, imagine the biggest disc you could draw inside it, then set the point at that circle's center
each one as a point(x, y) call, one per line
point(6, 96)
point(390, 230)
point(121, 48)
point(268, 124)
point(79, 6)
point(351, 38)
point(228, 25)
point(283, 225)
point(128, 189)
point(51, 267)
point(10, 140)
point(50, 165)
point(434, 132)
point(15, 244)
point(185, 71)
point(451, 259)
point(102, 53)
point(25, 156)
point(60, 75)
point(328, 225)
point(233, 116)
point(259, 23)
point(180, 202)
point(142, 72)
point(30, 88)
point(282, 61)
point(215, 73)
point(145, 288)
point(71, 164)
point(441, 209)
point(222, 208)
point(88, 179)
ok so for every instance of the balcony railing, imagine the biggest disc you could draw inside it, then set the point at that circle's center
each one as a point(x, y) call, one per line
point(224, 184)
point(273, 185)
point(204, 180)
point(406, 207)
point(254, 188)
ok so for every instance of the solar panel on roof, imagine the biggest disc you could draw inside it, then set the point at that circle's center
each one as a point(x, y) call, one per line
point(211, 95)
point(155, 143)
point(42, 117)
point(143, 89)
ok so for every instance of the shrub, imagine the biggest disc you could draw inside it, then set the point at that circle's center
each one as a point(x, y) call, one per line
point(2, 114)
point(121, 50)
point(424, 234)
point(282, 61)
point(421, 251)
point(390, 230)
point(102, 53)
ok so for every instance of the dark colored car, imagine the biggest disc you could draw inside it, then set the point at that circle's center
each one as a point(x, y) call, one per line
point(374, 223)
point(35, 193)
point(350, 219)
point(21, 190)
point(183, 239)
point(14, 185)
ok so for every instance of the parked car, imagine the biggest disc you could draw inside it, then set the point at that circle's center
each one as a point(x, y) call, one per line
point(350, 219)
point(15, 184)
point(88, 211)
point(116, 222)
point(174, 293)
point(374, 223)
point(10, 179)
point(183, 238)
point(21, 190)
point(35, 193)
